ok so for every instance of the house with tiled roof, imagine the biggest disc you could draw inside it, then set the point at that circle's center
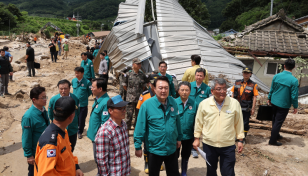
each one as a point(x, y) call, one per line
point(265, 45)
point(302, 21)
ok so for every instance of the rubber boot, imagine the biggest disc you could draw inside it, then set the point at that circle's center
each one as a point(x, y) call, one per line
point(146, 164)
point(184, 167)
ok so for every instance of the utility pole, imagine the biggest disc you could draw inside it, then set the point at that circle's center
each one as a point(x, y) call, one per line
point(9, 27)
point(272, 2)
point(78, 25)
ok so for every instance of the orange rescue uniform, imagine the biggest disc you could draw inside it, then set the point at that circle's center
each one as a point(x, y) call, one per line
point(53, 154)
point(243, 86)
point(144, 96)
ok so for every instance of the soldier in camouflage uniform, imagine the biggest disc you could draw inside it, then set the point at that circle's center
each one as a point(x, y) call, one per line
point(121, 78)
point(134, 83)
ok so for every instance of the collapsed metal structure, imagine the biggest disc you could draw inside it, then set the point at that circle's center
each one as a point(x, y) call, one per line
point(173, 37)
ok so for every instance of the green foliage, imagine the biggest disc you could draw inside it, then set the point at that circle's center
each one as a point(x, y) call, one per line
point(47, 34)
point(195, 8)
point(215, 7)
point(250, 17)
point(33, 24)
point(242, 12)
point(88, 9)
point(218, 37)
point(7, 19)
point(99, 9)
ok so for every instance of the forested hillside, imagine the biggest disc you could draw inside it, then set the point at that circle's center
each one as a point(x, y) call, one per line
point(239, 13)
point(88, 9)
point(215, 8)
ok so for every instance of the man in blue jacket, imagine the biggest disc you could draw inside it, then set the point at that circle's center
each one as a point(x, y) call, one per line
point(283, 94)
point(33, 123)
point(159, 126)
point(87, 65)
point(64, 91)
point(82, 89)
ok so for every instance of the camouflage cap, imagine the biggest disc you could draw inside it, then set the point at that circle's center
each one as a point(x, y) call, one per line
point(136, 61)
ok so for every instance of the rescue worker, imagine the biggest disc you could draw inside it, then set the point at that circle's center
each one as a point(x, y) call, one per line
point(187, 111)
point(189, 74)
point(134, 83)
point(246, 92)
point(148, 93)
point(159, 127)
point(122, 75)
point(53, 152)
point(99, 114)
point(143, 97)
point(82, 89)
point(162, 66)
point(87, 65)
point(64, 91)
point(199, 92)
point(33, 123)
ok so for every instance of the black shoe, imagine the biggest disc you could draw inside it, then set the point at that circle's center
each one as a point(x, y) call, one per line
point(7, 94)
point(275, 144)
point(29, 75)
point(79, 136)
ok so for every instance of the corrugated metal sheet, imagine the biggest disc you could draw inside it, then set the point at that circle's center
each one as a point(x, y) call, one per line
point(122, 44)
point(181, 36)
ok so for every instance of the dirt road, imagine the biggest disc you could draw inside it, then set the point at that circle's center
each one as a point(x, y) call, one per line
point(258, 158)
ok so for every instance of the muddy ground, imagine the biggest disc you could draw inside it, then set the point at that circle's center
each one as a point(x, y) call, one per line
point(258, 158)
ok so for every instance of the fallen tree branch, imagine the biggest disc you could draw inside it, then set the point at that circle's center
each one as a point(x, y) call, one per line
point(285, 130)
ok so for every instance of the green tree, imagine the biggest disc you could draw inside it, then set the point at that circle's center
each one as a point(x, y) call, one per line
point(215, 8)
point(105, 27)
point(195, 8)
point(14, 10)
point(7, 19)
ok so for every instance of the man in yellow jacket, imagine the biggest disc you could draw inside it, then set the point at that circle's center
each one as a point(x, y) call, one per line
point(189, 74)
point(219, 119)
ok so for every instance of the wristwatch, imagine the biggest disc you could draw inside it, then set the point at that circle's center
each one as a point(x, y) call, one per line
point(241, 142)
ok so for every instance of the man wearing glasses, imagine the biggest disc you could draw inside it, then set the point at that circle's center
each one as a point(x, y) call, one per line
point(33, 123)
point(64, 91)
point(219, 119)
point(199, 92)
point(134, 83)
point(112, 141)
